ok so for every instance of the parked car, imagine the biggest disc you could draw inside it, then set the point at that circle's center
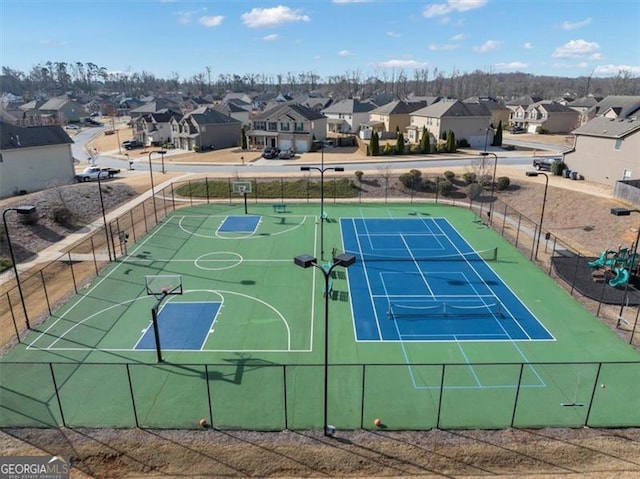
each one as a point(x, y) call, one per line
point(93, 122)
point(131, 144)
point(72, 127)
point(270, 153)
point(516, 130)
point(545, 163)
point(286, 154)
point(95, 172)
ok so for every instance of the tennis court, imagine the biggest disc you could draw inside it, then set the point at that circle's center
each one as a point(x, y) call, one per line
point(439, 323)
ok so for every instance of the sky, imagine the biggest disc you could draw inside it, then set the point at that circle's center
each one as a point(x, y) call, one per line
point(169, 38)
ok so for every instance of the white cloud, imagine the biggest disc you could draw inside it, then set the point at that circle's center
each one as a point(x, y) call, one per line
point(213, 21)
point(401, 64)
point(611, 70)
point(186, 16)
point(271, 38)
point(393, 34)
point(576, 49)
point(579, 24)
point(514, 66)
point(434, 47)
point(458, 37)
point(487, 46)
point(439, 9)
point(344, 53)
point(52, 43)
point(272, 17)
point(528, 46)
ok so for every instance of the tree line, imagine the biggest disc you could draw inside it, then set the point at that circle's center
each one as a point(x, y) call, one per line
point(56, 78)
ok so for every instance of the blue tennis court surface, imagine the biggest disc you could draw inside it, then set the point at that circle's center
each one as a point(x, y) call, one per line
point(417, 279)
point(181, 326)
point(240, 224)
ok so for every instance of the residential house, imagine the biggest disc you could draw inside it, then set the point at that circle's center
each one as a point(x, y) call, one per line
point(583, 105)
point(469, 121)
point(33, 158)
point(287, 126)
point(499, 111)
point(193, 103)
point(615, 106)
point(154, 128)
point(237, 109)
point(314, 101)
point(60, 111)
point(346, 116)
point(550, 117)
point(126, 105)
point(392, 117)
point(606, 150)
point(31, 112)
point(154, 106)
point(205, 129)
point(518, 106)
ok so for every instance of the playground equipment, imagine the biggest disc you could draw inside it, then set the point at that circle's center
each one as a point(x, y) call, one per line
point(620, 262)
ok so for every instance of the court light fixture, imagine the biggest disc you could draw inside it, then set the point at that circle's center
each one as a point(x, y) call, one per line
point(307, 261)
point(21, 210)
point(544, 201)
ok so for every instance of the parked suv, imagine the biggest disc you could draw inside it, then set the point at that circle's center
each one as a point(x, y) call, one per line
point(130, 145)
point(286, 154)
point(270, 153)
point(545, 163)
point(517, 129)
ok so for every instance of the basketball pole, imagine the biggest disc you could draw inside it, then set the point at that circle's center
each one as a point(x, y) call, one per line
point(245, 203)
point(156, 333)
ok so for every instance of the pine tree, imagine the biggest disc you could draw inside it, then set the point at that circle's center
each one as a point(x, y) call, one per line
point(451, 142)
point(243, 139)
point(374, 144)
point(400, 144)
point(497, 138)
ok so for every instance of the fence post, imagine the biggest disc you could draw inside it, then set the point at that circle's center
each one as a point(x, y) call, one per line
point(55, 387)
point(593, 394)
point(73, 276)
point(284, 396)
point(518, 230)
point(440, 398)
point(144, 215)
point(575, 272)
point(206, 183)
point(504, 220)
point(133, 226)
point(46, 295)
point(133, 399)
point(515, 402)
point(206, 376)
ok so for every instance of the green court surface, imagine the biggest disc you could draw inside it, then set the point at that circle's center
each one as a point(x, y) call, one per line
point(254, 359)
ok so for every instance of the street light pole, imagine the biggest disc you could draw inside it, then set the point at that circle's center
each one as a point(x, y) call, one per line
point(21, 210)
point(104, 219)
point(544, 201)
point(322, 215)
point(627, 212)
point(306, 261)
point(493, 182)
point(153, 193)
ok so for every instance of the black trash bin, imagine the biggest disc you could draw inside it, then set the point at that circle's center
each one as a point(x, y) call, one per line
point(567, 173)
point(574, 175)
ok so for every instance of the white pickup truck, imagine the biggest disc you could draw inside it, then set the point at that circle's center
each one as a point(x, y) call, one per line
point(95, 172)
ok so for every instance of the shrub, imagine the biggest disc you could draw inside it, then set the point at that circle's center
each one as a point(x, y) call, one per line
point(442, 148)
point(558, 167)
point(463, 143)
point(359, 174)
point(474, 190)
point(196, 148)
point(413, 179)
point(388, 149)
point(469, 177)
point(63, 216)
point(449, 175)
point(503, 182)
point(485, 180)
point(445, 187)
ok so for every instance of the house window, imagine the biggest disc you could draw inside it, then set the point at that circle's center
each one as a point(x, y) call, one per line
point(273, 126)
point(284, 126)
point(618, 145)
point(260, 125)
point(299, 126)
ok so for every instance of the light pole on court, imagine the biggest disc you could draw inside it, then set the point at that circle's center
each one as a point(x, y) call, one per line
point(306, 261)
point(153, 193)
point(322, 215)
point(493, 182)
point(544, 200)
point(21, 210)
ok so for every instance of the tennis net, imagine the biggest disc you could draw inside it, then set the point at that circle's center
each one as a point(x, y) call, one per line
point(395, 311)
point(482, 255)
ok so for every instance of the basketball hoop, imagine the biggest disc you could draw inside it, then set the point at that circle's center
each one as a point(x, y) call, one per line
point(242, 190)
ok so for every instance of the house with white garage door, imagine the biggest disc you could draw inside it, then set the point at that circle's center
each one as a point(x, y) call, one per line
point(287, 126)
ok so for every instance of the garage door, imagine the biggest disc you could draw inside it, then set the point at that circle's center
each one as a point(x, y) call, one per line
point(301, 146)
point(284, 144)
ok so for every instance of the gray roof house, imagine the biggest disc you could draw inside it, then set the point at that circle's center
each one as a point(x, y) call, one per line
point(606, 150)
point(346, 116)
point(470, 121)
point(289, 125)
point(155, 128)
point(33, 158)
point(205, 129)
point(60, 111)
point(550, 116)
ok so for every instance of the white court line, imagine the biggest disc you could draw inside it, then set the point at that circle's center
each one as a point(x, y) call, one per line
point(417, 265)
